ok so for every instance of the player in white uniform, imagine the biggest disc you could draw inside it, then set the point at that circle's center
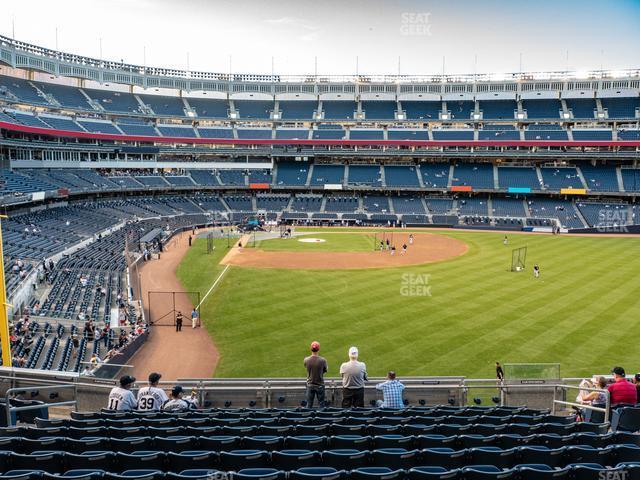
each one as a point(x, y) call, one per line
point(121, 398)
point(152, 398)
point(178, 403)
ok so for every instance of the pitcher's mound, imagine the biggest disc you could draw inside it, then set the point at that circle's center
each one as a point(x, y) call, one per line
point(426, 248)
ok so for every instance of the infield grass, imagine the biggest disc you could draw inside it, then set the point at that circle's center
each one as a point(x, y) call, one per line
point(581, 313)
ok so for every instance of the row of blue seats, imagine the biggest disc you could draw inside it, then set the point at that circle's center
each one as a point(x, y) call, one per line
point(330, 429)
point(343, 459)
point(578, 471)
point(170, 441)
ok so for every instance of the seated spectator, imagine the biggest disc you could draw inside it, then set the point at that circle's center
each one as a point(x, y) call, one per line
point(636, 381)
point(392, 392)
point(121, 398)
point(95, 360)
point(622, 391)
point(595, 398)
point(87, 372)
point(178, 403)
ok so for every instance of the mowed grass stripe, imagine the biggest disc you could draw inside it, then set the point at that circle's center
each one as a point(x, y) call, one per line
point(264, 319)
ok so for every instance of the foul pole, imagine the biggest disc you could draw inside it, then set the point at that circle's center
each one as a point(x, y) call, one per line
point(5, 341)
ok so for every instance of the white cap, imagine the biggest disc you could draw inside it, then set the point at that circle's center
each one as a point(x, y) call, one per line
point(353, 352)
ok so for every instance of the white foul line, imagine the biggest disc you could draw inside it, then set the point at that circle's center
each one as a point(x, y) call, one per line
point(212, 287)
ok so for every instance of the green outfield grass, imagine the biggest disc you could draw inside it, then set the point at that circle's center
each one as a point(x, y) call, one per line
point(581, 313)
point(333, 242)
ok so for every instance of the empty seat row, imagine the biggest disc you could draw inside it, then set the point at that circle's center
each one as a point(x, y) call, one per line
point(342, 459)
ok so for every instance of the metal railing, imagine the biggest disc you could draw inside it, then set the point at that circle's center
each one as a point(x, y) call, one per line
point(12, 392)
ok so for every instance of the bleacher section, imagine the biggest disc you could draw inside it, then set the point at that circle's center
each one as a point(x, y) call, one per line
point(560, 177)
point(117, 102)
point(292, 174)
point(518, 177)
point(542, 108)
point(621, 107)
point(209, 107)
point(338, 110)
point(365, 175)
point(476, 175)
point(297, 110)
point(379, 110)
point(163, 105)
point(600, 179)
point(417, 110)
point(498, 109)
point(253, 109)
point(582, 108)
point(327, 174)
point(401, 176)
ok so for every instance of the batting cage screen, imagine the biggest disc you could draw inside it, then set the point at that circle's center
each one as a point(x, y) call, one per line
point(382, 241)
point(163, 307)
point(518, 259)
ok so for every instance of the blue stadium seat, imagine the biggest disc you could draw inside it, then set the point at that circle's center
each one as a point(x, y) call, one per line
point(239, 459)
point(625, 419)
point(396, 458)
point(590, 471)
point(541, 472)
point(345, 459)
point(263, 442)
point(585, 454)
point(357, 442)
point(140, 474)
point(306, 442)
point(393, 441)
point(443, 457)
point(431, 473)
point(486, 472)
point(219, 442)
point(47, 462)
point(292, 459)
point(260, 474)
point(94, 461)
point(191, 460)
point(316, 473)
point(492, 456)
point(140, 461)
point(375, 473)
point(198, 473)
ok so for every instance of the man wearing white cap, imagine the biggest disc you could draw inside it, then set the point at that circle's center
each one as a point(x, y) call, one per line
point(354, 374)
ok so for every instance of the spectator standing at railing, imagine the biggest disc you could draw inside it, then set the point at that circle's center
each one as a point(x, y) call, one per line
point(354, 374)
point(316, 368)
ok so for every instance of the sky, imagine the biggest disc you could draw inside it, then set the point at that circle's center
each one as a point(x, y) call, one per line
point(346, 37)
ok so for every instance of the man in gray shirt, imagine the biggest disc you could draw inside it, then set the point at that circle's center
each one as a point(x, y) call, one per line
point(354, 374)
point(316, 368)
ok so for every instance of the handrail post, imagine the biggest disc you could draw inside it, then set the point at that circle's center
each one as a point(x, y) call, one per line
point(553, 404)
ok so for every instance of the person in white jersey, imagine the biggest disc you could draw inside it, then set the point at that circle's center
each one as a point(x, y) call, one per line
point(121, 398)
point(152, 398)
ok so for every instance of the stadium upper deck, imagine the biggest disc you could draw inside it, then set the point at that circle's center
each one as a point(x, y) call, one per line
point(45, 92)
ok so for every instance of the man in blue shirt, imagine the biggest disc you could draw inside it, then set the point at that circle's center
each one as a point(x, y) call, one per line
point(392, 392)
